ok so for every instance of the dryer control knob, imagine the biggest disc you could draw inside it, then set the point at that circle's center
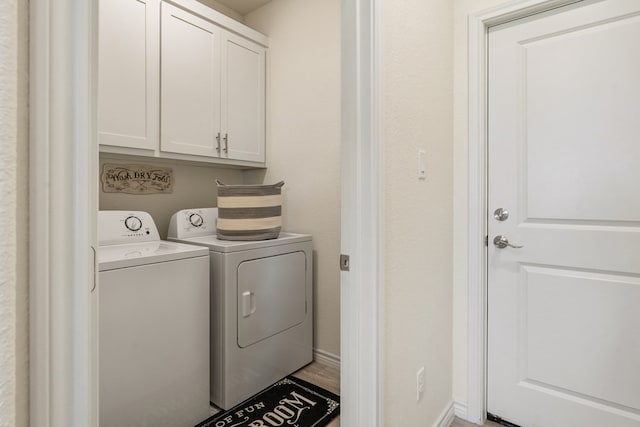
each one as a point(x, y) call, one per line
point(133, 223)
point(196, 220)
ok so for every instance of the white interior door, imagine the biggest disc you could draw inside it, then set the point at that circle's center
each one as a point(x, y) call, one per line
point(564, 161)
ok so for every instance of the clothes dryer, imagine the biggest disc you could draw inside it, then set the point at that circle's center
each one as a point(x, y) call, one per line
point(153, 326)
point(261, 305)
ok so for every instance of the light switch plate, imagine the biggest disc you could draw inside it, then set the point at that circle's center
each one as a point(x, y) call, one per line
point(420, 383)
point(422, 164)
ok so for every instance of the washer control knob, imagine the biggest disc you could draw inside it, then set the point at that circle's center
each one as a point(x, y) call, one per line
point(133, 223)
point(196, 220)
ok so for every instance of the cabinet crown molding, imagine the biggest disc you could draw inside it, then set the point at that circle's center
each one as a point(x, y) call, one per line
point(221, 20)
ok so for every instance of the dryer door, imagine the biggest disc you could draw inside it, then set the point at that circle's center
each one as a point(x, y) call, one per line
point(271, 296)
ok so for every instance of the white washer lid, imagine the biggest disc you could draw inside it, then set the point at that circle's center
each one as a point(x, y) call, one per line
point(111, 257)
point(218, 245)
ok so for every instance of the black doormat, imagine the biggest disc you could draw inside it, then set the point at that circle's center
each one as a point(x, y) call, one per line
point(289, 402)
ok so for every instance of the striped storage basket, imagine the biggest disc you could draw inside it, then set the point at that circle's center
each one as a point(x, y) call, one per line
point(249, 212)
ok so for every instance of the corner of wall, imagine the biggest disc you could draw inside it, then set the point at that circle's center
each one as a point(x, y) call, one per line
point(14, 162)
point(303, 134)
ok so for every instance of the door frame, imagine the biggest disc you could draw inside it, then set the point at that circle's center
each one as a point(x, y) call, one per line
point(362, 207)
point(477, 332)
point(63, 167)
point(63, 214)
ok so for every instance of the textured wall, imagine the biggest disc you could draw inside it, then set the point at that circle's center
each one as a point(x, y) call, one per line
point(303, 125)
point(417, 114)
point(14, 332)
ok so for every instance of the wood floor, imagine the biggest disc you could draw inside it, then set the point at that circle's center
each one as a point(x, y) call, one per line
point(324, 376)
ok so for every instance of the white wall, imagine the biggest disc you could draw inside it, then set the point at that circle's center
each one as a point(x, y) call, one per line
point(194, 187)
point(303, 133)
point(462, 9)
point(14, 165)
point(417, 97)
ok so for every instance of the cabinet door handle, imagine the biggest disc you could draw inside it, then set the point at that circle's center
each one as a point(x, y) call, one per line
point(226, 142)
point(218, 142)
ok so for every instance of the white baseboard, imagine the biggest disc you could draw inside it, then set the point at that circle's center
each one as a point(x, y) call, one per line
point(326, 358)
point(460, 409)
point(446, 418)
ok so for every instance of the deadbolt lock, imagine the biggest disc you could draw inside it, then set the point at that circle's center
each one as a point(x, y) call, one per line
point(501, 214)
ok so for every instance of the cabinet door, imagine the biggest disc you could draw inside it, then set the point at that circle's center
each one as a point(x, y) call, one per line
point(128, 69)
point(243, 99)
point(190, 83)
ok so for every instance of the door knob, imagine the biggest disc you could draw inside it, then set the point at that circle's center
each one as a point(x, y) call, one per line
point(502, 242)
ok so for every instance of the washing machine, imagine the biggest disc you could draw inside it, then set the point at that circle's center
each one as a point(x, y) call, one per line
point(261, 305)
point(153, 323)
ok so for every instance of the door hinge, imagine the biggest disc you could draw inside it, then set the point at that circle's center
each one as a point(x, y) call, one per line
point(486, 241)
point(344, 262)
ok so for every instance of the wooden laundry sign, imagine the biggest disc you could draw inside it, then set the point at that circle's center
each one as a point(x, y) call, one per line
point(136, 179)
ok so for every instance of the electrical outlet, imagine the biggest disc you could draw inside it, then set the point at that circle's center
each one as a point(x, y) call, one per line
point(420, 383)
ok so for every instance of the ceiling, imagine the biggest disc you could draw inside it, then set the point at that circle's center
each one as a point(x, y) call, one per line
point(243, 6)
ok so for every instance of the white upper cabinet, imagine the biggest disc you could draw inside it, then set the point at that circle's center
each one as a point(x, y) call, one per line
point(190, 70)
point(243, 99)
point(179, 80)
point(128, 74)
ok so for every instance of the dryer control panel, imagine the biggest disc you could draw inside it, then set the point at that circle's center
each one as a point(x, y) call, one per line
point(195, 222)
point(118, 227)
